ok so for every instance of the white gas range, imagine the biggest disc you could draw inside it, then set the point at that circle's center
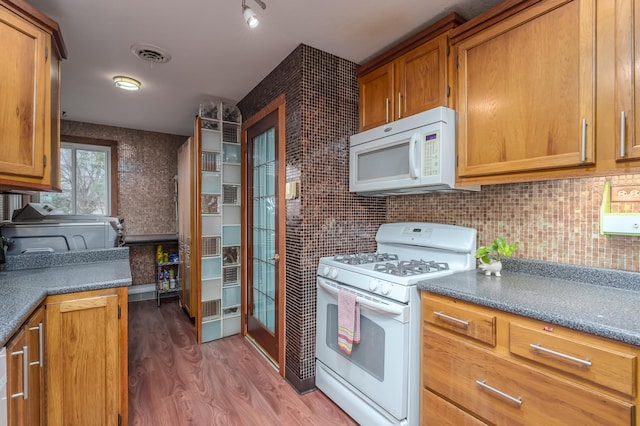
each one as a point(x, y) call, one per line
point(379, 383)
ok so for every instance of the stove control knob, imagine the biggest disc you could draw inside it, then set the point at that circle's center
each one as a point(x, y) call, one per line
point(385, 288)
point(333, 273)
point(325, 271)
point(373, 284)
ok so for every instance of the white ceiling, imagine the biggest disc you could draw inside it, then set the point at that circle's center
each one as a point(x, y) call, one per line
point(213, 52)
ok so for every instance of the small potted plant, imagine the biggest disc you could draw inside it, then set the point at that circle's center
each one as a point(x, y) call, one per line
point(490, 256)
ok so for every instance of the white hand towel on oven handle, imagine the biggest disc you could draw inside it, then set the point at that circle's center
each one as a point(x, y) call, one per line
point(348, 321)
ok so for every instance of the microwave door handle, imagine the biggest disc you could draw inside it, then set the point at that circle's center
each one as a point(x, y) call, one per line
point(413, 170)
point(386, 309)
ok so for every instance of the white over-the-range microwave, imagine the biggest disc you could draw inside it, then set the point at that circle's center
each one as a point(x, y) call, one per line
point(412, 155)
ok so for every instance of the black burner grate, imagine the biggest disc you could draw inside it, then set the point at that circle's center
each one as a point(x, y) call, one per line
point(363, 258)
point(411, 267)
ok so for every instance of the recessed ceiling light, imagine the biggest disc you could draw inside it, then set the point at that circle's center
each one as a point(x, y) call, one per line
point(126, 83)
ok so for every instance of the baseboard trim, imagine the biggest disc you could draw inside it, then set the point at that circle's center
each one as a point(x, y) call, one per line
point(138, 293)
point(302, 386)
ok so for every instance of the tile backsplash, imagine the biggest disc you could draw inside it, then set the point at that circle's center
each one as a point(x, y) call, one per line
point(556, 220)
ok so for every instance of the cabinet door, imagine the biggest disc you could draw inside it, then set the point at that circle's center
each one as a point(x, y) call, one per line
point(24, 75)
point(526, 91)
point(34, 335)
point(17, 380)
point(376, 97)
point(627, 80)
point(83, 375)
point(421, 78)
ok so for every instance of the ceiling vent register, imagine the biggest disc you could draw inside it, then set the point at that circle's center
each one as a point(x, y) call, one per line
point(150, 53)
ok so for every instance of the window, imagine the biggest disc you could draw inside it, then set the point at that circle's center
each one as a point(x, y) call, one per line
point(85, 180)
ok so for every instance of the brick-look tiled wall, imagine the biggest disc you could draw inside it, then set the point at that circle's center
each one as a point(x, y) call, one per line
point(147, 163)
point(321, 94)
point(556, 220)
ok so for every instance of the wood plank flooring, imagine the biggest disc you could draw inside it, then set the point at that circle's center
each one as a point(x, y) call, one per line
point(174, 381)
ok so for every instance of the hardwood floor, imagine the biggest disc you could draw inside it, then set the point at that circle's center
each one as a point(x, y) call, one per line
point(173, 381)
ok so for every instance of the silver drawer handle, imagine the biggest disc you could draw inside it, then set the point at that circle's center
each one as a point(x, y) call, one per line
point(450, 318)
point(40, 360)
point(561, 355)
point(25, 373)
point(483, 384)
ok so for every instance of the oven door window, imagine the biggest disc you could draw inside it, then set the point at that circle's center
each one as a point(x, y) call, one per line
point(379, 365)
point(366, 354)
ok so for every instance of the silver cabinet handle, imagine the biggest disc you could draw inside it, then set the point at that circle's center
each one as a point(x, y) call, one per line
point(25, 372)
point(623, 136)
point(387, 106)
point(399, 105)
point(583, 154)
point(40, 348)
point(561, 355)
point(483, 384)
point(450, 318)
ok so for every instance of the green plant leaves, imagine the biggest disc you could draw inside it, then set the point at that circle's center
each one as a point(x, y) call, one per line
point(498, 249)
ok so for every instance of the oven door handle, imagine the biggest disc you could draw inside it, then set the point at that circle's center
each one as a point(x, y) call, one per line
point(386, 309)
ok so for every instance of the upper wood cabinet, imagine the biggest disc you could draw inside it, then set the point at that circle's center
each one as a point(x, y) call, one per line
point(626, 19)
point(410, 78)
point(526, 91)
point(376, 96)
point(31, 48)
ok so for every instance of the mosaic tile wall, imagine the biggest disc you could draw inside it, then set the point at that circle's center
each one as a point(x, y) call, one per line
point(321, 113)
point(147, 163)
point(554, 220)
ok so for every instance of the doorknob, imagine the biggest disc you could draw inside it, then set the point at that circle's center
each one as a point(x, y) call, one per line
point(275, 258)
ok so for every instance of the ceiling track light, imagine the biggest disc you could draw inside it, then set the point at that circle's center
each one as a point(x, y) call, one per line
point(249, 15)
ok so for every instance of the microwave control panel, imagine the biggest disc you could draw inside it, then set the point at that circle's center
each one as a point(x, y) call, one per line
point(431, 153)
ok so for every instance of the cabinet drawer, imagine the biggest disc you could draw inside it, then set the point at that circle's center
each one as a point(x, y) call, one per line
point(440, 412)
point(460, 319)
point(606, 367)
point(505, 392)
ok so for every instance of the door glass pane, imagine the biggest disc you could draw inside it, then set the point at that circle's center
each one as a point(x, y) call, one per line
point(264, 233)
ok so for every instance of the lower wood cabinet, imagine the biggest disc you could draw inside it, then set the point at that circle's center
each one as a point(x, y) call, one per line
point(25, 364)
point(534, 374)
point(86, 342)
point(17, 378)
point(443, 413)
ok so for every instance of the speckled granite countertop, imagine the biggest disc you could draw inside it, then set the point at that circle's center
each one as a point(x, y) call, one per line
point(30, 278)
point(597, 301)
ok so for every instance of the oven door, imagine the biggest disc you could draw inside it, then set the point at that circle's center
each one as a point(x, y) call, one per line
point(378, 365)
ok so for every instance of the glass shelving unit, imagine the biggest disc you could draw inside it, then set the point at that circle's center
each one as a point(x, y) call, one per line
point(220, 220)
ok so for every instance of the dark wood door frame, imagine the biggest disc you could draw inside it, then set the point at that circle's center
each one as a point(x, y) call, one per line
point(278, 105)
